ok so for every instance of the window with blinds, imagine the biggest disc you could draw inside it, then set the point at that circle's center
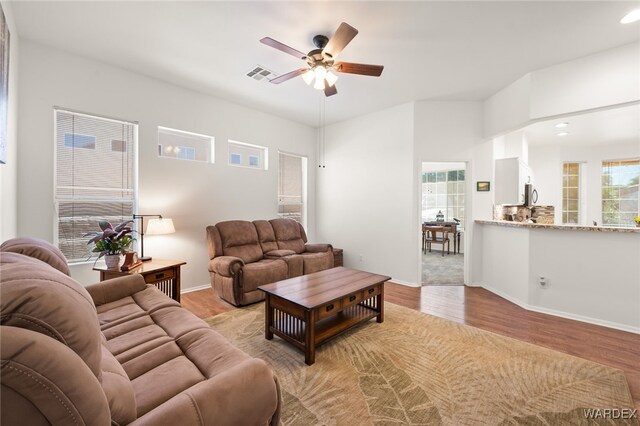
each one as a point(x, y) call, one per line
point(620, 192)
point(571, 193)
point(292, 171)
point(95, 177)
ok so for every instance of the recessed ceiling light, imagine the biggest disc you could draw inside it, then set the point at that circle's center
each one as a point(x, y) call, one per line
point(630, 17)
point(561, 125)
point(563, 133)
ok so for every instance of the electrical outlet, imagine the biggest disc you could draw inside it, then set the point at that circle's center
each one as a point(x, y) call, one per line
point(361, 257)
point(543, 282)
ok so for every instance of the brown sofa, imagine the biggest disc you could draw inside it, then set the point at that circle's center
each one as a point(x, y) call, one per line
point(245, 255)
point(118, 352)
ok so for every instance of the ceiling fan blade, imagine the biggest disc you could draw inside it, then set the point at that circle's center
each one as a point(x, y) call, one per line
point(343, 35)
point(362, 69)
point(287, 76)
point(283, 47)
point(329, 90)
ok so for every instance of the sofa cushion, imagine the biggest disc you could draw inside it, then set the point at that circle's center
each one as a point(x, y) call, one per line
point(288, 234)
point(240, 239)
point(38, 249)
point(263, 272)
point(118, 389)
point(314, 262)
point(45, 382)
point(42, 299)
point(266, 236)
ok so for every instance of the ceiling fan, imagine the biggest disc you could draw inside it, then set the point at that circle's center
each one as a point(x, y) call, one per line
point(320, 61)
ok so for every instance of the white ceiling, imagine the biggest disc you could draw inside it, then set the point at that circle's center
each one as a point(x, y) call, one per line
point(605, 127)
point(430, 50)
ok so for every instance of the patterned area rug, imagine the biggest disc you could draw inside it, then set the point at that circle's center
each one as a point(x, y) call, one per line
point(419, 369)
point(442, 270)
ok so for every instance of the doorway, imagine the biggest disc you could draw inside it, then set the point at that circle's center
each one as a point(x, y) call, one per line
point(443, 198)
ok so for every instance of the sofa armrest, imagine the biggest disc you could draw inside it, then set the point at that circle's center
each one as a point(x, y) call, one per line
point(227, 266)
point(277, 254)
point(318, 248)
point(247, 393)
point(116, 288)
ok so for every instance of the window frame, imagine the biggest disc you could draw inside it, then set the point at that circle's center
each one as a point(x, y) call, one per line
point(579, 190)
point(305, 181)
point(56, 200)
point(262, 165)
point(602, 189)
point(212, 147)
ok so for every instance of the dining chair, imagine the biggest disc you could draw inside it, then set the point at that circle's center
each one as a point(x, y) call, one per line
point(437, 235)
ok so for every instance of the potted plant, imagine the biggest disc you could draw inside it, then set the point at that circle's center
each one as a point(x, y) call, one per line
point(637, 220)
point(110, 242)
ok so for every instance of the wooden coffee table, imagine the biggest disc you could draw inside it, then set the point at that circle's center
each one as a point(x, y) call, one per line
point(307, 311)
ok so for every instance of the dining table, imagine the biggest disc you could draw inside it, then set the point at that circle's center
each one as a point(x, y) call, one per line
point(453, 229)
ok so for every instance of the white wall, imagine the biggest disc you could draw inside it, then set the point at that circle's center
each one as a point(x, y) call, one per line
point(592, 276)
point(9, 171)
point(193, 194)
point(366, 193)
point(452, 131)
point(595, 81)
point(509, 108)
point(546, 161)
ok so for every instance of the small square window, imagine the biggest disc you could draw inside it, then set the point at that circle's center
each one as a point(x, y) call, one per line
point(235, 158)
point(184, 145)
point(118, 146)
point(186, 153)
point(75, 140)
point(247, 155)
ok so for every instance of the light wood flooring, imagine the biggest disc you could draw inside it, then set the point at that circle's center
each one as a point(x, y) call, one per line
point(480, 308)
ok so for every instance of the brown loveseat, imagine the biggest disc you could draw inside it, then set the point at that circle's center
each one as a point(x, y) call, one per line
point(118, 352)
point(245, 255)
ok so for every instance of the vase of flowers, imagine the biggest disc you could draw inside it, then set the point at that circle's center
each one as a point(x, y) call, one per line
point(111, 242)
point(637, 220)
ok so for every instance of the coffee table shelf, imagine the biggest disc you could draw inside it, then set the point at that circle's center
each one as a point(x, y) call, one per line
point(331, 326)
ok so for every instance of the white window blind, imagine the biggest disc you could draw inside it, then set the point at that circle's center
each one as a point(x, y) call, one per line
point(291, 186)
point(95, 173)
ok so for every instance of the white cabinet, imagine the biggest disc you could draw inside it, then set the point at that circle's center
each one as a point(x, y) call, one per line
point(511, 175)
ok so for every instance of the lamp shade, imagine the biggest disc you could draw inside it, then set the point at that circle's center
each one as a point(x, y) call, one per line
point(160, 226)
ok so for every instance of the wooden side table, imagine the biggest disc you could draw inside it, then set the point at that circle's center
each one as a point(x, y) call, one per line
point(164, 274)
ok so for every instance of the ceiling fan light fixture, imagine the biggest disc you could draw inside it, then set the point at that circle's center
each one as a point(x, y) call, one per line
point(320, 72)
point(331, 78)
point(308, 76)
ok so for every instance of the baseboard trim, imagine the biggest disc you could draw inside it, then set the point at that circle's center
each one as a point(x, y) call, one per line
point(562, 314)
point(405, 283)
point(196, 288)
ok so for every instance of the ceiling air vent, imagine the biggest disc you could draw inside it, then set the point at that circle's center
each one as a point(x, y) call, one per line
point(261, 73)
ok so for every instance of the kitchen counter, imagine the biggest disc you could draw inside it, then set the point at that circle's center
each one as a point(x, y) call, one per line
point(508, 224)
point(588, 273)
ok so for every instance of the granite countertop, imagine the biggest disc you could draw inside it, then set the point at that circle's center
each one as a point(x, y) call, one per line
point(630, 230)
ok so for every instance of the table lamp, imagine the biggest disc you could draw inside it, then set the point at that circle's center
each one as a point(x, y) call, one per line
point(157, 226)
